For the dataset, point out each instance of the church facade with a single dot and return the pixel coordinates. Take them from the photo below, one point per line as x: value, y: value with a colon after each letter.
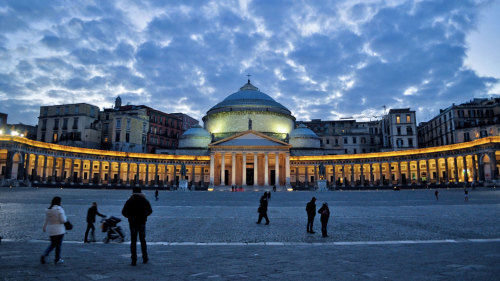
x: 248, y: 140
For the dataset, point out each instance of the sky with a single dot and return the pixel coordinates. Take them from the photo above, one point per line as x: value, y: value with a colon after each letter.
x: 320, y: 59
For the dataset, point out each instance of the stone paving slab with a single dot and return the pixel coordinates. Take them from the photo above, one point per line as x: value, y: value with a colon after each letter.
x: 417, y: 261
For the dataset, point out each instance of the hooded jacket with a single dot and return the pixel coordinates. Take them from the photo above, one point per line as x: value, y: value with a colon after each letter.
x: 54, y: 221
x: 137, y: 209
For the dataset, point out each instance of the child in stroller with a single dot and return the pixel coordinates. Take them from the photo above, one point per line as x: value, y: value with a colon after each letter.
x: 114, y: 231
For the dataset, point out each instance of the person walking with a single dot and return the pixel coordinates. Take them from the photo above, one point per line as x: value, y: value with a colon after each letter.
x: 436, y: 193
x: 156, y: 194
x: 91, y: 213
x: 274, y: 188
x: 263, y: 209
x: 137, y: 209
x: 54, y: 225
x: 325, y: 215
x: 311, y: 213
x: 466, y: 194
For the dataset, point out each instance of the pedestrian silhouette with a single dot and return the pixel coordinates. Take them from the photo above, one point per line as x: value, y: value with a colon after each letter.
x: 311, y: 213
x: 137, y: 209
x: 466, y: 194
x: 324, y: 211
x: 436, y: 193
x: 156, y: 194
x: 54, y: 225
x: 263, y: 209
x: 91, y: 213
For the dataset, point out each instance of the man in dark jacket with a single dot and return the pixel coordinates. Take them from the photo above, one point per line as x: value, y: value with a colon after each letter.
x: 311, y: 213
x: 137, y: 209
x: 263, y: 209
x: 91, y: 213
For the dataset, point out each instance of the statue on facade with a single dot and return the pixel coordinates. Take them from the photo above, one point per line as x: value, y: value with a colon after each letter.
x: 322, y: 171
x: 183, y: 170
x: 249, y: 124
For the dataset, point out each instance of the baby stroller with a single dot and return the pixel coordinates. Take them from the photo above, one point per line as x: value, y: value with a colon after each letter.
x: 114, y: 231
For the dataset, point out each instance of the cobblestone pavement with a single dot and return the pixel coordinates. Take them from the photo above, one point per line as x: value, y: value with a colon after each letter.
x: 375, y: 235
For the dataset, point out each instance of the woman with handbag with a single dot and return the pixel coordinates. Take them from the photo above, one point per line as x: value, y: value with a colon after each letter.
x: 54, y: 225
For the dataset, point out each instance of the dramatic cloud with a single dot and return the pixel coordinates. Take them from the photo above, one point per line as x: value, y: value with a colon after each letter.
x: 321, y: 59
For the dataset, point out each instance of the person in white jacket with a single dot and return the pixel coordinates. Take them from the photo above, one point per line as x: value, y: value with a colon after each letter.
x: 54, y: 225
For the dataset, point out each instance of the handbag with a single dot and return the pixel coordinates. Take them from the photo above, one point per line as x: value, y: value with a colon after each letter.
x: 68, y: 225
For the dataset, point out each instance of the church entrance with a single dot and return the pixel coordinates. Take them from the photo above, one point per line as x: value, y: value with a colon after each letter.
x: 272, y: 180
x: 250, y: 179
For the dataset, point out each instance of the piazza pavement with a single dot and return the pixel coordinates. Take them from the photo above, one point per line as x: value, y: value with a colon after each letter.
x: 373, y: 235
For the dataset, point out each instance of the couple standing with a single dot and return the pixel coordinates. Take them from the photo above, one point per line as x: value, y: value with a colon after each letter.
x: 311, y: 213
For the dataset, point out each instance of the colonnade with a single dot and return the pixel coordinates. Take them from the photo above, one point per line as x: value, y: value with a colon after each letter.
x: 468, y: 168
x: 257, y: 168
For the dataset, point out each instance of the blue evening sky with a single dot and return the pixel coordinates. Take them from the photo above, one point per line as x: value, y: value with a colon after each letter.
x: 320, y: 59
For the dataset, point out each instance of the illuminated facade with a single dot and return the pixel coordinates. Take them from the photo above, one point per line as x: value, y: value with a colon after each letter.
x: 249, y: 140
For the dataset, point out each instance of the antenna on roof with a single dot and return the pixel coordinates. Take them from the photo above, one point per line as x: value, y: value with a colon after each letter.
x: 248, y: 75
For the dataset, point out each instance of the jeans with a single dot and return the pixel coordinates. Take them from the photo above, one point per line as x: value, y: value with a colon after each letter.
x: 310, y: 222
x: 90, y: 226
x: 141, y: 230
x: 324, y: 226
x: 55, y: 242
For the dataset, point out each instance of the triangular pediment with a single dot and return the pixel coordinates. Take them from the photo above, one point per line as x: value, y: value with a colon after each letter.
x: 249, y: 138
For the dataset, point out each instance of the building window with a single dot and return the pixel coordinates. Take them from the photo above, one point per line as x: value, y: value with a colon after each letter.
x: 77, y: 109
x: 117, y: 136
x: 75, y: 123
x: 127, y: 137
x: 58, y: 110
x: 466, y: 136
x: 65, y: 123
x: 128, y: 123
x: 45, y: 111
x: 56, y: 124
x: 54, y: 138
x: 408, y: 118
x: 353, y: 139
x: 355, y: 151
x: 399, y: 130
x: 119, y: 123
x: 327, y: 141
x: 345, y: 141
x: 410, y: 142
x: 44, y: 124
x: 409, y: 130
x: 398, y: 119
x: 363, y: 140
x: 144, y: 128
x: 399, y: 142
x: 337, y: 140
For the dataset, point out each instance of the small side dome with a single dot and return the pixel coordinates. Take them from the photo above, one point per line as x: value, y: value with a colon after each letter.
x: 195, y: 137
x: 303, y: 137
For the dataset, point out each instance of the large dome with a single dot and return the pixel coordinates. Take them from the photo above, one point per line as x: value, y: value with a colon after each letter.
x: 303, y: 137
x: 249, y: 98
x: 249, y: 109
x: 195, y: 137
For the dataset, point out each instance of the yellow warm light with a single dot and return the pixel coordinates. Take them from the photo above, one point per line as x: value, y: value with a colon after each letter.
x: 1, y: 132
x: 289, y: 189
x: 58, y: 147
x: 14, y: 133
x: 444, y: 148
x: 210, y: 189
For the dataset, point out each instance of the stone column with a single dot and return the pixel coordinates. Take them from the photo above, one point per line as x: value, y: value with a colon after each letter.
x: 156, y: 174
x: 91, y: 172
x: 244, y: 168
x: 35, y: 172
x: 119, y: 173
x: 99, y: 179
x: 307, y: 176
x: 493, y: 165
x: 223, y: 169
x: 138, y: 173
x: 380, y: 181
x: 255, y: 169
x: 63, y: 168
x: 334, y: 177
x: 71, y: 179
x: 27, y: 166
x: 193, y: 168
x: 428, y: 177
x: 438, y: 177
x: 362, y: 175
x: 233, y: 168
x: 455, y: 174
x: 316, y: 175
x: 353, y: 183
x: 466, y: 174
x: 419, y: 180
x: 287, y: 169
x: 372, y: 176
x: 44, y: 172
x: 202, y: 179
x: 447, y: 170
x: 343, y: 175
x: 81, y: 171
x: 390, y: 174
x: 266, y: 169
x: 400, y: 177
x: 174, y: 175
x: 277, y: 169
x: 474, y: 171
x: 128, y: 172
x: 212, y: 171
x: 147, y: 175
x: 54, y: 169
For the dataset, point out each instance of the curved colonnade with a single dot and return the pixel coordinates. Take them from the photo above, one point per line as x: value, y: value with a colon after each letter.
x: 39, y: 162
